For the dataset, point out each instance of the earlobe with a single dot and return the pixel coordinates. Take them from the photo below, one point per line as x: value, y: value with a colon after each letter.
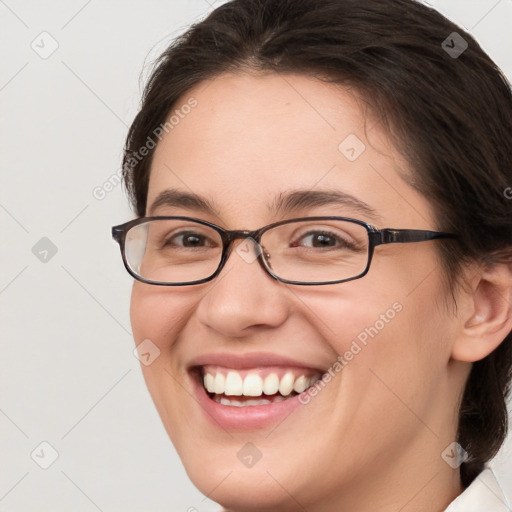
x: 487, y: 320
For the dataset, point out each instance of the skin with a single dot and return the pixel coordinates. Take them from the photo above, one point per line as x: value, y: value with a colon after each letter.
x: 372, y: 438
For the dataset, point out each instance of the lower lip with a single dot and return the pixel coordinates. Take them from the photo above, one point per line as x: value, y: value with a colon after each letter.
x: 251, y: 417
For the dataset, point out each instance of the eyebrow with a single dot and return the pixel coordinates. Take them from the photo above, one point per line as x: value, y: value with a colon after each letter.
x: 179, y: 199
x: 302, y: 199
x: 284, y: 203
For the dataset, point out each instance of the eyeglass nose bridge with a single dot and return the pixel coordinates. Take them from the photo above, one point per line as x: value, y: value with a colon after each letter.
x: 228, y: 237
x: 260, y: 254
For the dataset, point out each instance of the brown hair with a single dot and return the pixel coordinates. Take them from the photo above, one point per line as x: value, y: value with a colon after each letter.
x: 449, y: 115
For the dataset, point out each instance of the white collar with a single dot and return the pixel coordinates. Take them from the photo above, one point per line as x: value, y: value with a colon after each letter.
x: 484, y: 494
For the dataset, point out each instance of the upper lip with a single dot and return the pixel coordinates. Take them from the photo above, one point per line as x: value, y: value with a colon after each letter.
x: 249, y: 360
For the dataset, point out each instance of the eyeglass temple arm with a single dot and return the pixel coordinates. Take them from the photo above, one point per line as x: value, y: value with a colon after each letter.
x: 393, y: 236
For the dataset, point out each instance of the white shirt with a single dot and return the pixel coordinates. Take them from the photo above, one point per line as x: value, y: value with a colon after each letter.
x: 484, y: 494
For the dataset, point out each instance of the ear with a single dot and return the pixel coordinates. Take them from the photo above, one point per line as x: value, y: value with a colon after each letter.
x: 486, y: 316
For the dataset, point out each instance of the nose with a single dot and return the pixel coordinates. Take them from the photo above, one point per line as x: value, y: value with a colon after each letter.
x: 243, y: 297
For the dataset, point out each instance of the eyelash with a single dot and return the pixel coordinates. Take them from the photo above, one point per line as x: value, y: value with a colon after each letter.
x: 340, y: 240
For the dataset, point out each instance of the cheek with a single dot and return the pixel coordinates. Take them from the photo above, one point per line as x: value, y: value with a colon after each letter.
x: 393, y: 347
x: 159, y: 313
x: 390, y: 341
x: 353, y: 317
x: 396, y: 314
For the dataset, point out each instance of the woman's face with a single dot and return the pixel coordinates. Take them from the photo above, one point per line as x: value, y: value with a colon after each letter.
x: 387, y: 410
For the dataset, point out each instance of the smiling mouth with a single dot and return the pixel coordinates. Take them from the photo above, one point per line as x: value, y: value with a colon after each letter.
x: 257, y: 386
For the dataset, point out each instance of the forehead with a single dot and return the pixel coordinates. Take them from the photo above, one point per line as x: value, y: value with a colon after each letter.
x: 251, y: 137
x: 261, y: 120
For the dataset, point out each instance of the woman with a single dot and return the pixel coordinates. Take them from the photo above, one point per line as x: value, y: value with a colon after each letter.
x: 323, y: 256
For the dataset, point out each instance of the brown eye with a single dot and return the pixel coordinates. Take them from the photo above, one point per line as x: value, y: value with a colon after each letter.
x: 189, y: 239
x: 322, y: 239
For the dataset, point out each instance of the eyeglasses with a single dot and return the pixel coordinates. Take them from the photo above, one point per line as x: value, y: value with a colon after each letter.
x: 178, y: 251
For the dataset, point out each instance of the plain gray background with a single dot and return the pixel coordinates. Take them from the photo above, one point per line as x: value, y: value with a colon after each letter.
x: 68, y: 376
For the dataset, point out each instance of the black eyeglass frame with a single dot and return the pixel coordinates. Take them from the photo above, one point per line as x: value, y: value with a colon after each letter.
x: 375, y: 237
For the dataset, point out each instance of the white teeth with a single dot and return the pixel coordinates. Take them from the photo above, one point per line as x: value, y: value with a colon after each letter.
x: 286, y: 384
x: 209, y: 382
x: 253, y: 385
x: 219, y: 385
x: 242, y: 403
x: 271, y: 384
x: 234, y: 384
x: 254, y: 401
x: 300, y: 384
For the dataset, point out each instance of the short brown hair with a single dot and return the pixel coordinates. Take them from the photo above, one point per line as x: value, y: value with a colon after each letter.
x: 449, y: 115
